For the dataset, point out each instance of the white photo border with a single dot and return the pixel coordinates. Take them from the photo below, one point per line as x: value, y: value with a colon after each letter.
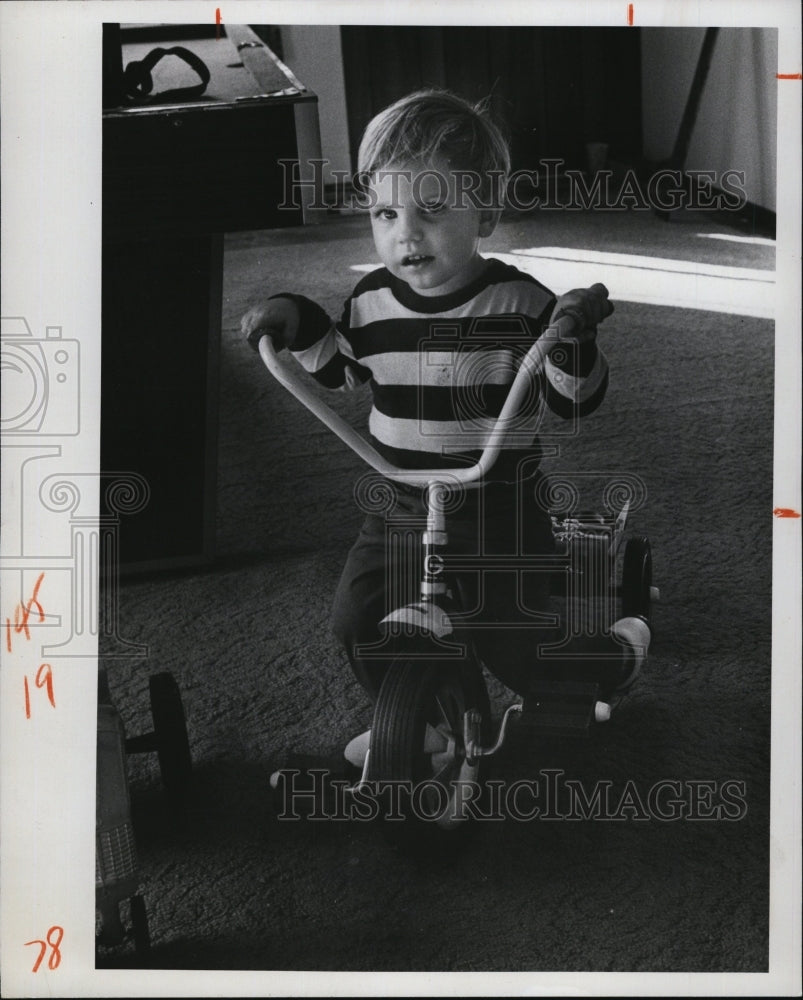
x: 50, y: 67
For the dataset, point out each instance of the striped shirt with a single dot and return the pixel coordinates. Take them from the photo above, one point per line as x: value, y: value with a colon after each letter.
x: 440, y: 367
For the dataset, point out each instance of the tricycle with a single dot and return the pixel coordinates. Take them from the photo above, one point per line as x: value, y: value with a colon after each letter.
x: 432, y: 729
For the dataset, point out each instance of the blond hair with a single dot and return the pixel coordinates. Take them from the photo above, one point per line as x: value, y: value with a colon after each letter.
x: 437, y: 123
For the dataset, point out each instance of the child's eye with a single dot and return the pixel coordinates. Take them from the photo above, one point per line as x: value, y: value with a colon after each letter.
x: 385, y: 213
x: 433, y: 208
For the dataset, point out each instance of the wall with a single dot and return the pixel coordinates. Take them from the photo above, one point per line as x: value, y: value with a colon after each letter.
x: 314, y: 54
x: 736, y: 127
x: 553, y: 88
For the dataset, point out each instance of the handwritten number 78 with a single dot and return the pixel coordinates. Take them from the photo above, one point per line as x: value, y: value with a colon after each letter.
x: 53, y: 938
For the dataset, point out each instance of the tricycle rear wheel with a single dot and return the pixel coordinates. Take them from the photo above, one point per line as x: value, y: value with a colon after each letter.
x: 637, y: 579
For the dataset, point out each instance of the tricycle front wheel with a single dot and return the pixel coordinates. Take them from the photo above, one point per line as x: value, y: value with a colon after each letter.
x: 418, y: 757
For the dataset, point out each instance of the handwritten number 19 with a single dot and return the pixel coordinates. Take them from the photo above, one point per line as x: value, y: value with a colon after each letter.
x: 44, y: 679
x: 53, y: 938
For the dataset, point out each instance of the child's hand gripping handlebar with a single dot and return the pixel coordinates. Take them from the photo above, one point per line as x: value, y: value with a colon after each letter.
x: 575, y: 313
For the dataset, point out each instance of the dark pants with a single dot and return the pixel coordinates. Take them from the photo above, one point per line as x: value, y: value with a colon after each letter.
x: 506, y: 608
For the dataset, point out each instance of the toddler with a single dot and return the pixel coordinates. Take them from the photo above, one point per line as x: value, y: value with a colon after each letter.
x: 438, y: 331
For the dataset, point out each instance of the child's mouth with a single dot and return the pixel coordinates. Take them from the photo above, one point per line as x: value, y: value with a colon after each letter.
x: 416, y: 260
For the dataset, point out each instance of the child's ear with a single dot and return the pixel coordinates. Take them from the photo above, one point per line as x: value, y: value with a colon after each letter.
x: 489, y: 217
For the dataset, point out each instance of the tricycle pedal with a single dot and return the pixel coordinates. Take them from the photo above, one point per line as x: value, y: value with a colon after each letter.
x: 565, y: 708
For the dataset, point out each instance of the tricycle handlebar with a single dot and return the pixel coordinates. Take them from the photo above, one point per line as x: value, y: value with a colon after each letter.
x: 529, y: 369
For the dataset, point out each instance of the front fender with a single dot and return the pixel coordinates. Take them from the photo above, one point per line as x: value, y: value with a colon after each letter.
x: 421, y: 616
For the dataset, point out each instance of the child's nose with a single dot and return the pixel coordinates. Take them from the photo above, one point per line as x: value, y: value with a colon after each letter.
x: 409, y: 227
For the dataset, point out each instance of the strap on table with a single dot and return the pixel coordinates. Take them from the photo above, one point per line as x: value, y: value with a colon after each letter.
x: 138, y: 82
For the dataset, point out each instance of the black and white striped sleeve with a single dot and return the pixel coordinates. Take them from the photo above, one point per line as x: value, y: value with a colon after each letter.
x: 576, y: 377
x: 322, y: 349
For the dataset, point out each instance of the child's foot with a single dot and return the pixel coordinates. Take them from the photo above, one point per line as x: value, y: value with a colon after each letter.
x: 357, y: 749
x: 633, y: 634
x: 306, y: 785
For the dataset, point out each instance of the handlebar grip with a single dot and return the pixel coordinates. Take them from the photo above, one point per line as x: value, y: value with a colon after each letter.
x: 580, y: 311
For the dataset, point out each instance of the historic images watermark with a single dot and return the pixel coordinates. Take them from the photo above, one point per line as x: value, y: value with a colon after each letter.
x: 551, y: 796
x: 549, y: 187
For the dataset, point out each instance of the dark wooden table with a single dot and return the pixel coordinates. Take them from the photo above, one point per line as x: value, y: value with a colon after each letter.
x: 177, y: 175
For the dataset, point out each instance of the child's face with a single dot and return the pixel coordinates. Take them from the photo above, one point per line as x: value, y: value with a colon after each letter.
x: 426, y: 233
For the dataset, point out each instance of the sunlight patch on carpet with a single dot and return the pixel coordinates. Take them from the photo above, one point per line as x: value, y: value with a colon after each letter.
x: 683, y: 284
x: 760, y: 241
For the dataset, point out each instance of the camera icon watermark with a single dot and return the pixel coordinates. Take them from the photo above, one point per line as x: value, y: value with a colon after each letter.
x: 74, y: 559
x: 465, y: 375
x: 41, y: 381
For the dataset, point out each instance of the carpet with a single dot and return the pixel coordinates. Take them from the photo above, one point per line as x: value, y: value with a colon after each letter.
x: 228, y: 886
